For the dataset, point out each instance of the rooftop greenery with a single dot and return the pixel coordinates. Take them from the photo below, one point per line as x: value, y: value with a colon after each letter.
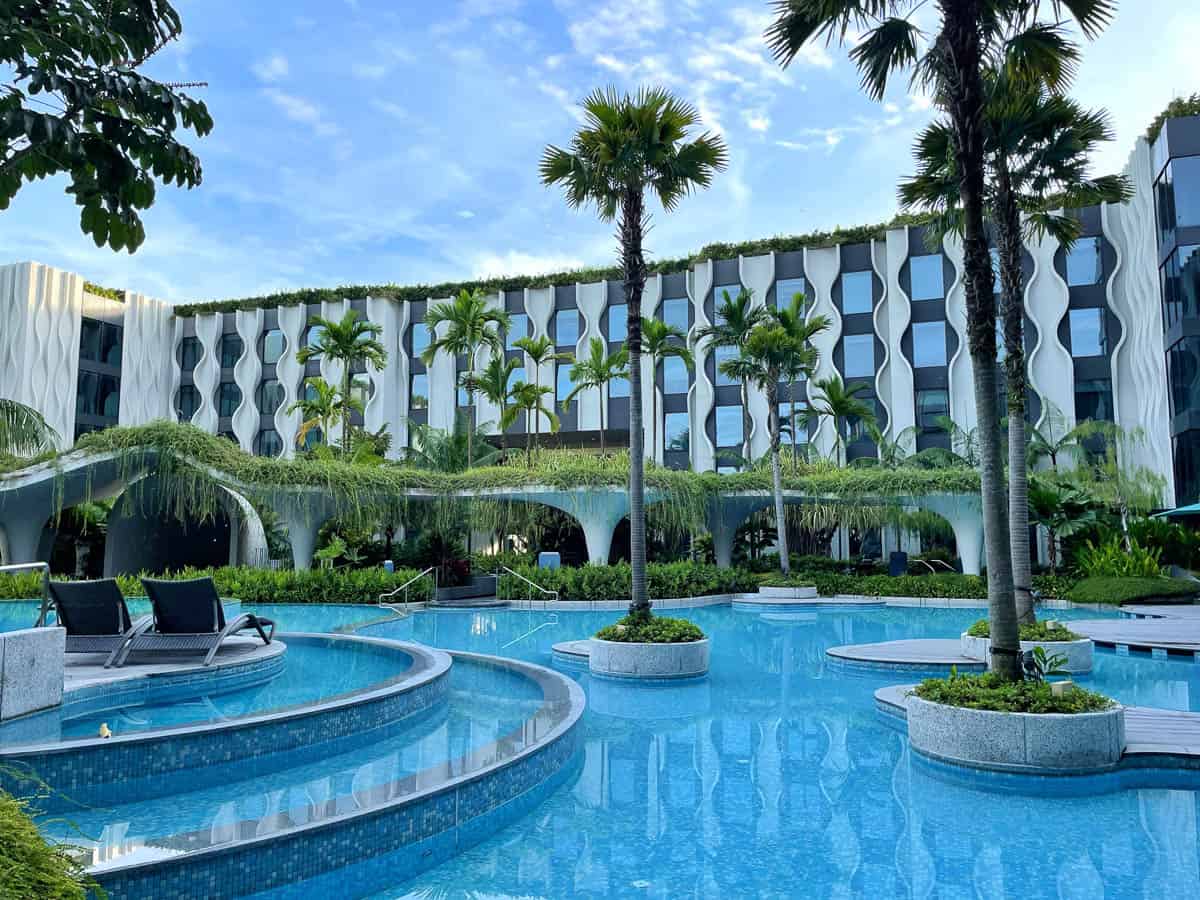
x: 1176, y: 109
x: 101, y: 291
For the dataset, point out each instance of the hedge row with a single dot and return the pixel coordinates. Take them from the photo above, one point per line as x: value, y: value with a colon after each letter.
x: 1115, y: 591
x: 664, y: 581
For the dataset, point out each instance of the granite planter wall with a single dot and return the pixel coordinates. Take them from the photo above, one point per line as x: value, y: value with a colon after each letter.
x: 1022, y: 742
x: 618, y: 659
x: 31, y: 670
x: 1078, y: 653
x: 805, y: 592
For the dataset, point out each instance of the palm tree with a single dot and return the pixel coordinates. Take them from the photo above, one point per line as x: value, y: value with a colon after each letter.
x: 350, y: 341
x: 629, y: 145
x: 596, y: 371
x: 529, y: 399
x: 470, y: 324
x: 1063, y: 509
x: 660, y: 340
x: 840, y: 403
x: 321, y: 404
x: 493, y: 384
x: 793, y: 318
x: 972, y: 35
x: 1057, y: 437
x: 449, y: 451
x: 736, y: 317
x: 1039, y: 145
x: 23, y: 430
x: 540, y: 350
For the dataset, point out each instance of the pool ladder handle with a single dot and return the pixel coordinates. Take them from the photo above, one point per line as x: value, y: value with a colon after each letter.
x: 28, y: 567
x: 547, y: 595
x: 404, y: 587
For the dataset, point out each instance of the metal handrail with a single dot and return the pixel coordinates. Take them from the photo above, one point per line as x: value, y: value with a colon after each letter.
x: 404, y: 587
x: 533, y: 584
x: 26, y: 567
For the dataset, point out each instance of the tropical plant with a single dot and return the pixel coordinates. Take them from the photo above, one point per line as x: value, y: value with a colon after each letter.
x: 735, y: 318
x: 794, y: 319
x: 530, y: 400
x: 539, y: 351
x: 321, y: 404
x: 971, y: 36
x: 1123, y: 489
x: 1046, y: 664
x: 24, y: 431
x: 493, y: 385
x: 1113, y: 559
x: 470, y: 323
x: 1055, y: 437
x: 659, y: 341
x: 627, y: 146
x: 349, y: 342
x: 841, y: 404
x: 594, y: 372
x: 73, y: 102
x: 893, y: 453
x: 450, y: 451
x: 1062, y: 509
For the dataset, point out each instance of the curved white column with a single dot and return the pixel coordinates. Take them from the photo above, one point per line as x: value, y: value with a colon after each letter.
x: 822, y: 266
x: 965, y: 515
x: 487, y: 414
x: 961, y: 377
x: 702, y: 396
x: 290, y: 374
x: 207, y: 373
x: 899, y: 406
x: 332, y: 370
x: 1051, y: 369
x: 176, y: 371
x: 758, y: 274
x: 651, y: 297
x: 591, y: 300
x: 388, y: 403
x: 147, y: 361
x: 539, y: 306
x: 443, y: 383
x: 247, y: 372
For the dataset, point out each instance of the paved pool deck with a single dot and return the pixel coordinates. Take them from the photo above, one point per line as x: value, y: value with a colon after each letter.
x: 87, y: 669
x: 914, y: 653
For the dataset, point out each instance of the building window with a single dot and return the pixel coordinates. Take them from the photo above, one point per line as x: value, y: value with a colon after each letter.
x: 675, y: 375
x: 1087, y: 332
x: 516, y: 376
x: 859, y: 356
x: 313, y: 335
x: 785, y: 419
x: 231, y: 350
x: 187, y: 401
x: 268, y: 443
x: 997, y: 281
x: 856, y: 428
x: 314, y: 437
x: 464, y: 397
x: 563, y: 385
x: 618, y: 387
x: 1186, y: 451
x: 675, y: 312
x: 618, y: 323
x: 720, y: 355
x: 361, y: 388
x: 229, y: 398
x: 110, y: 345
x: 89, y: 340
x: 1093, y: 400
x: 926, y: 275
x: 270, y: 397
x: 676, y: 432
x: 418, y: 392
x: 729, y: 426
x: 932, y: 406
x: 310, y: 392
x: 1083, y: 262
x: 518, y: 327
x: 189, y: 354
x: 1181, y: 284
x: 857, y: 290
x: 1001, y: 348
x: 566, y: 327
x: 420, y: 338
x: 1177, y: 197
x: 98, y: 395
x: 723, y: 293
x: 929, y: 344
x: 787, y: 288
x: 273, y: 344
x: 1183, y: 374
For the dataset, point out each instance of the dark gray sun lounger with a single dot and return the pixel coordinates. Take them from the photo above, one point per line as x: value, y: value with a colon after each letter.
x: 188, y: 616
x: 95, y: 617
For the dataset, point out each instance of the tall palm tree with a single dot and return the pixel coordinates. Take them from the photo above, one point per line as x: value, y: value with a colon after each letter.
x: 470, y: 324
x: 596, y: 370
x: 626, y: 147
x: 736, y: 317
x: 794, y: 319
x: 971, y: 35
x: 1039, y: 146
x: 530, y: 399
x: 659, y: 341
x: 321, y: 404
x: 23, y: 430
x: 840, y: 404
x: 349, y: 341
x: 1056, y: 437
x: 493, y: 384
x: 539, y: 350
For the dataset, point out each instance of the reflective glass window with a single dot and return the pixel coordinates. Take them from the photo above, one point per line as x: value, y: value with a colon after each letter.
x: 926, y: 274
x: 1087, y: 332
x: 676, y: 431
x: 859, y: 352
x: 675, y: 375
x: 856, y: 292
x: 729, y: 426
x: 566, y: 327
x: 1083, y: 262
x: 929, y: 344
x: 618, y: 323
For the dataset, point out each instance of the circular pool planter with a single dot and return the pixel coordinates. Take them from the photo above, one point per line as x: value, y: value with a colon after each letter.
x: 1048, y: 743
x: 1078, y: 653
x: 776, y: 594
x: 656, y: 662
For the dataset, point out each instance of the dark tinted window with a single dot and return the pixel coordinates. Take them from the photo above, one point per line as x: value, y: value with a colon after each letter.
x: 1093, y: 400
x: 229, y: 398
x: 268, y: 443
x: 187, y: 402
x: 231, y: 350
x: 189, y: 353
x: 273, y: 344
x: 270, y: 396
x: 932, y: 405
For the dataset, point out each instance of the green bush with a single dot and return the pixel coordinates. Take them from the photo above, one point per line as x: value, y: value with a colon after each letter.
x: 591, y: 583
x: 948, y: 585
x: 31, y: 867
x: 1053, y: 585
x: 264, y: 585
x: 655, y: 630
x: 792, y: 580
x: 1113, y: 560
x: 1036, y: 631
x: 1180, y: 546
x: 1116, y: 591
x: 989, y: 691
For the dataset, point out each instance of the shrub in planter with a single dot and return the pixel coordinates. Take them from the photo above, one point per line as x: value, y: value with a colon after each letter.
x: 787, y: 581
x: 990, y: 692
x: 1116, y: 591
x: 655, y: 630
x: 1034, y: 631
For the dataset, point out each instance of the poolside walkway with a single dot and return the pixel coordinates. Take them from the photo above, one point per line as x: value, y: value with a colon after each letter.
x: 1173, y: 630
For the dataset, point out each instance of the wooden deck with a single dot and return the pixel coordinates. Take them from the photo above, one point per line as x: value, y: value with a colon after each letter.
x: 1174, y: 632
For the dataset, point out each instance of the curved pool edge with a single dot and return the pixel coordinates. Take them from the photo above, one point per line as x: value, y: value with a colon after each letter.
x: 406, y: 835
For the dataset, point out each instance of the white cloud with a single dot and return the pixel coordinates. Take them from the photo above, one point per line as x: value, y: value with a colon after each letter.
x: 273, y: 68
x: 757, y: 120
x: 387, y: 107
x: 369, y: 71
x: 465, y: 214
x: 300, y: 110
x: 513, y: 262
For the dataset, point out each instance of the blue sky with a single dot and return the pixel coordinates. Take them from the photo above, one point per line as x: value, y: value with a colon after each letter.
x: 362, y: 141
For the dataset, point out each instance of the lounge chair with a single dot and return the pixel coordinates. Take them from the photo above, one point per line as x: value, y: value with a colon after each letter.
x: 95, y: 617
x: 188, y: 616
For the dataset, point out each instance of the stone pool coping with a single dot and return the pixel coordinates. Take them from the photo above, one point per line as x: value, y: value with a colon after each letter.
x: 102, y: 771
x: 428, y: 824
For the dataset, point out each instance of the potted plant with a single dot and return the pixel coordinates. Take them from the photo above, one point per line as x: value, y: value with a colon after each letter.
x: 652, y: 647
x: 1051, y: 637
